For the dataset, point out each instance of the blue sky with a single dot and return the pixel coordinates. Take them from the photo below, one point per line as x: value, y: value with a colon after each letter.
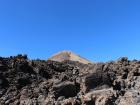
x: 100, y: 30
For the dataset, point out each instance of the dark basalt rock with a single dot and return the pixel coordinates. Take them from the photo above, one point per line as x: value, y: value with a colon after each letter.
x: 23, y: 66
x: 99, y: 78
x: 67, y: 89
x: 3, y: 82
x: 40, y: 82
x: 23, y: 81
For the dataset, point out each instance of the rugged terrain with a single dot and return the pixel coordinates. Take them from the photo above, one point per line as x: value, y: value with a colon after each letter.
x: 40, y: 82
x: 68, y: 55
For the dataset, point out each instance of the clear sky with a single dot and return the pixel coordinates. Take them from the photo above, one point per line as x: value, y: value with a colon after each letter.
x: 100, y: 30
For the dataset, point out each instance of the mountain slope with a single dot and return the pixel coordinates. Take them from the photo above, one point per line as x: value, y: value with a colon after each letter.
x: 68, y: 55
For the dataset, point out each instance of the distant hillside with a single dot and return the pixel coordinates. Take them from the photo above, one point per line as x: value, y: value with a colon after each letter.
x: 68, y: 55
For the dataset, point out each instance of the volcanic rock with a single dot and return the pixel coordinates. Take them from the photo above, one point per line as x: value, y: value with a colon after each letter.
x: 68, y: 82
x: 67, y: 89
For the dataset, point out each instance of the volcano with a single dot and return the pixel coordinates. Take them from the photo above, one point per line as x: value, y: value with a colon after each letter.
x: 68, y: 56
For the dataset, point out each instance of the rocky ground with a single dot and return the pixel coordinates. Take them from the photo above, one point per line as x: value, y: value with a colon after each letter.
x: 39, y: 82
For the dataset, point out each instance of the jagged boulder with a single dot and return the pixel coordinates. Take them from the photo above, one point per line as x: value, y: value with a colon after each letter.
x: 66, y: 89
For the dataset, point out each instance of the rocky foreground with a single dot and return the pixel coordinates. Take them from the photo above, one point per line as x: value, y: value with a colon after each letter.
x: 39, y: 82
